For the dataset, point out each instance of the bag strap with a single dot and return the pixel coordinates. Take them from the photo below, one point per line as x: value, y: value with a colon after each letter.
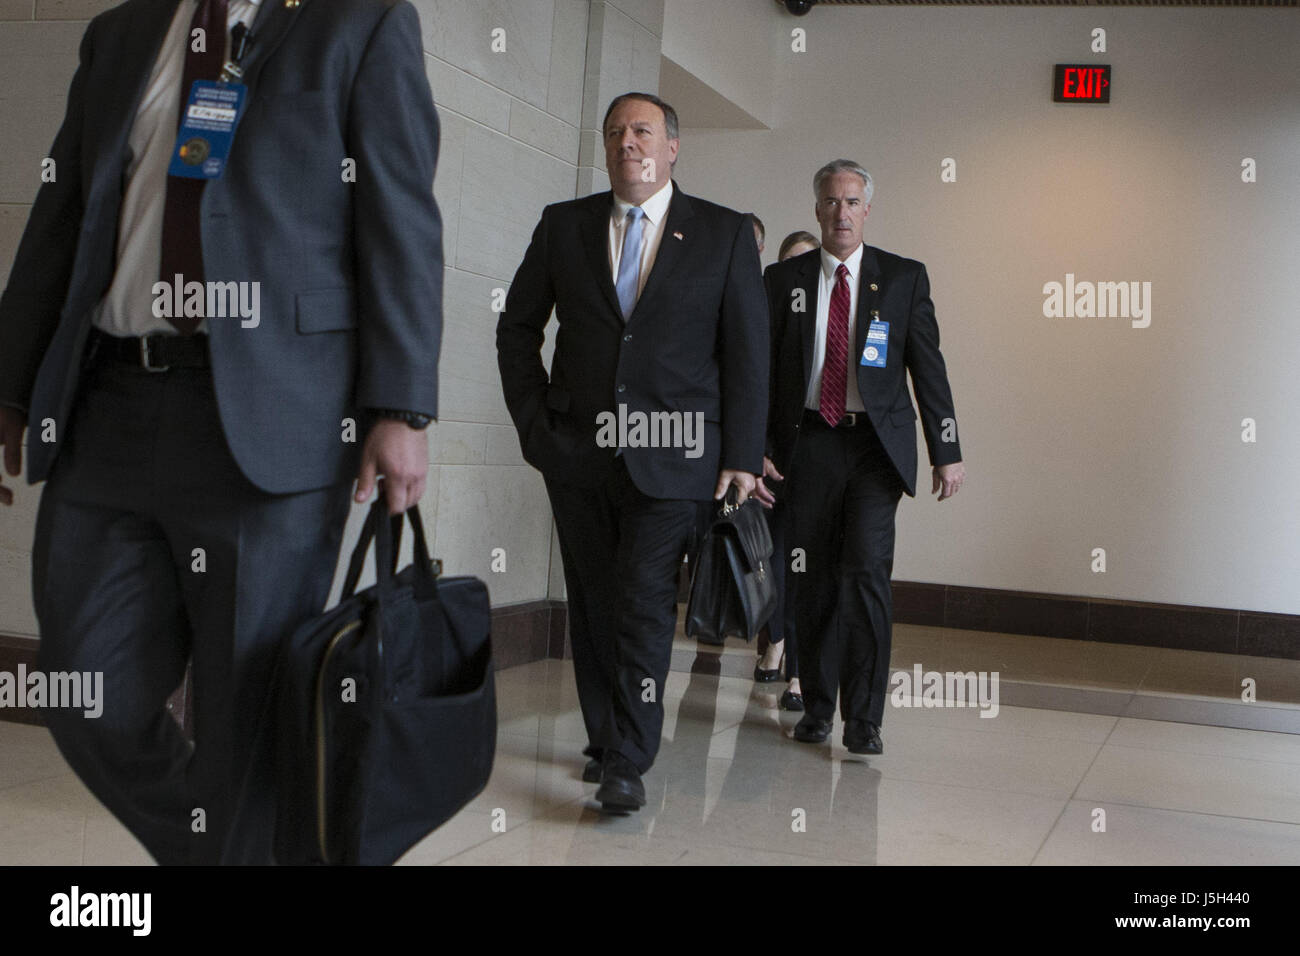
x: 371, y: 531
x: 359, y: 552
x: 387, y: 536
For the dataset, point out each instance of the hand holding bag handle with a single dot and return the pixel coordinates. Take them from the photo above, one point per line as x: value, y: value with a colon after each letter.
x: 388, y: 537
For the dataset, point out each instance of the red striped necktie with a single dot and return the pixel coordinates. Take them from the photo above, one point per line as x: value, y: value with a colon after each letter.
x: 836, y: 363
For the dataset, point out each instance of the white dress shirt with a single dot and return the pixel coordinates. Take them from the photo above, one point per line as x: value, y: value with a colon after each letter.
x: 656, y: 212
x: 826, y: 286
x: 127, y: 306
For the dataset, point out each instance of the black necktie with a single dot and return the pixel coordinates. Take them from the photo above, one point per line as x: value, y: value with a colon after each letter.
x: 182, y: 245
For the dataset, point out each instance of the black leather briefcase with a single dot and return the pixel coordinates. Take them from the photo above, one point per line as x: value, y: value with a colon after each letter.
x: 732, y: 590
x: 386, y: 708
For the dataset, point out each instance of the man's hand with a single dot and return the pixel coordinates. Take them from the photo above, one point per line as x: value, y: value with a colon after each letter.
x: 12, y: 423
x: 949, y: 477
x: 743, y: 481
x: 762, y: 493
x: 400, y: 455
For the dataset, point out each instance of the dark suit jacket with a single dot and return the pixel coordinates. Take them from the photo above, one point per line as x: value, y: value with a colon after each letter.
x: 350, y: 272
x: 902, y: 297
x: 697, y: 341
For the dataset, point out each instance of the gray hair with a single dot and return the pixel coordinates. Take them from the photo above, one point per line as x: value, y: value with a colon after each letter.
x: 843, y: 166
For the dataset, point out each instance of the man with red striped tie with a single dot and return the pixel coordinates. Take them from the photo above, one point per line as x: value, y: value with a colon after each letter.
x: 848, y: 322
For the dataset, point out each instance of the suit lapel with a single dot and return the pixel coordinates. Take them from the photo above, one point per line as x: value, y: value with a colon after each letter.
x: 269, y: 26
x: 595, y: 242
x: 670, y: 247
x: 868, y: 298
x: 809, y: 282
x: 138, y: 51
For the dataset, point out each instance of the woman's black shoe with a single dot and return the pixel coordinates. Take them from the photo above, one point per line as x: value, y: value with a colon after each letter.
x: 791, y: 701
x: 766, y: 677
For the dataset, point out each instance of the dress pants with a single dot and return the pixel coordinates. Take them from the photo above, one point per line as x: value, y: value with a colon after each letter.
x: 152, y: 548
x: 843, y: 497
x: 781, y: 626
x: 621, y: 550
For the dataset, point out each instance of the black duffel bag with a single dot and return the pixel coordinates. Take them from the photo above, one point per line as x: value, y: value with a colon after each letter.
x: 386, y: 708
x: 732, y: 590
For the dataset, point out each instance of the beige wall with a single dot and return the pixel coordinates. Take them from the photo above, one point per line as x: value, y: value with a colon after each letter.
x: 728, y: 46
x: 518, y: 132
x: 1078, y: 433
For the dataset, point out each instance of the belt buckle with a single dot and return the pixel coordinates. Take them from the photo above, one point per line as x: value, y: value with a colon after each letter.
x: 849, y: 420
x: 145, y: 362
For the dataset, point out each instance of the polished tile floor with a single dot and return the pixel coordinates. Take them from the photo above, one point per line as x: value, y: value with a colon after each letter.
x: 1047, y: 784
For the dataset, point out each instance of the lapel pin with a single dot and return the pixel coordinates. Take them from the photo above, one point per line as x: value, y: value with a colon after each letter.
x: 290, y: 4
x: 677, y: 235
x: 874, y: 287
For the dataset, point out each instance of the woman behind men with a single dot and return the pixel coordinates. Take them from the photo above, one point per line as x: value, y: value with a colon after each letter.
x: 781, y: 626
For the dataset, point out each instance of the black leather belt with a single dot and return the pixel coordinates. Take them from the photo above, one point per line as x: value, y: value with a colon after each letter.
x: 812, y: 419
x: 154, y: 353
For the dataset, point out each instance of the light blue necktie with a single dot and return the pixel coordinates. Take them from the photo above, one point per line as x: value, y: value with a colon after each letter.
x: 629, y: 263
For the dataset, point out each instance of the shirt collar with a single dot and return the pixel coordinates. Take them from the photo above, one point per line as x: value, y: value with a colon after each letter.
x: 830, y: 264
x: 655, y: 207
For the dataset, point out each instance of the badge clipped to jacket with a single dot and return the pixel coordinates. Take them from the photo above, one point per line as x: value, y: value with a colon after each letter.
x: 877, y: 347
x: 211, y: 114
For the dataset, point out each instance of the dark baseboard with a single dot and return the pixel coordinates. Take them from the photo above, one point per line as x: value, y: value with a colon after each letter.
x: 521, y: 633
x: 1174, y: 626
x: 536, y: 630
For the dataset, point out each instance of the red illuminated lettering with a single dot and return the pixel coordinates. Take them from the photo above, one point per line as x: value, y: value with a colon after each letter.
x: 1088, y: 84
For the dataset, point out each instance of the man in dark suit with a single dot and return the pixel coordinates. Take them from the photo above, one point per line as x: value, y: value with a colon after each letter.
x: 848, y: 322
x: 659, y: 301
x: 199, y: 464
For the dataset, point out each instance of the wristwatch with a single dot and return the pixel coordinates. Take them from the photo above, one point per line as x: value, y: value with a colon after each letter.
x: 414, y: 419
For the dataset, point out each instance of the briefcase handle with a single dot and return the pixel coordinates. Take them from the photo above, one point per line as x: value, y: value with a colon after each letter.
x: 387, y: 536
x: 730, y: 504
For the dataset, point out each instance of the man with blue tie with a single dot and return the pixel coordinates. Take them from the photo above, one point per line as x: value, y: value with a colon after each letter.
x: 662, y: 329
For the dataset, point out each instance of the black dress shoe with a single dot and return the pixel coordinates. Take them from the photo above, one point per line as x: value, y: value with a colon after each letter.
x: 591, y: 771
x: 791, y: 701
x: 865, y: 744
x: 620, y: 784
x: 810, y: 730
x: 766, y: 677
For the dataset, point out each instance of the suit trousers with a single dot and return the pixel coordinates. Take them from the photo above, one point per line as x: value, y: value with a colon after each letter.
x: 153, y: 549
x: 781, y: 626
x: 843, y: 498
x: 621, y: 550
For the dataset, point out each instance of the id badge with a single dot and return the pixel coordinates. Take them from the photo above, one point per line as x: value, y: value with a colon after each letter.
x: 877, y: 348
x: 207, y: 130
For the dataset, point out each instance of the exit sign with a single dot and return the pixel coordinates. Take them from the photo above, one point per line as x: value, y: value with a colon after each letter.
x: 1081, y: 83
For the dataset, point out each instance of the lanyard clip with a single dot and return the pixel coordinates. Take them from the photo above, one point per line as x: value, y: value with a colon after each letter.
x: 240, y: 40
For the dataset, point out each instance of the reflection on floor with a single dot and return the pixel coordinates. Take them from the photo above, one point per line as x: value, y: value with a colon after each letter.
x: 1032, y: 785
